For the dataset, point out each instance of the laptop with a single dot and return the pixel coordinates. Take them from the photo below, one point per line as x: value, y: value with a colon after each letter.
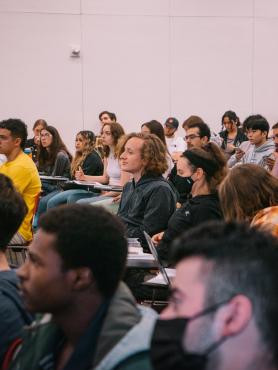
x: 155, y: 255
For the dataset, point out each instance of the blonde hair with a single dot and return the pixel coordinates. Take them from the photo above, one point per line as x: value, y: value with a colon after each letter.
x: 89, y: 146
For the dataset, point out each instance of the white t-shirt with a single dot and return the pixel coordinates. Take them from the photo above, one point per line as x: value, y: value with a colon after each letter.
x: 175, y: 144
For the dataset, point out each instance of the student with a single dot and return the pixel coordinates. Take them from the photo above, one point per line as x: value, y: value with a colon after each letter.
x: 205, y: 168
x: 260, y: 147
x: 53, y: 156
x: 12, y: 313
x: 156, y: 128
x: 21, y: 170
x: 107, y: 117
x: 86, y: 158
x: 73, y: 277
x: 197, y: 134
x: 175, y: 144
x: 111, y: 135
x: 148, y: 200
x: 222, y: 312
x: 233, y: 135
x: 247, y: 189
x: 33, y: 143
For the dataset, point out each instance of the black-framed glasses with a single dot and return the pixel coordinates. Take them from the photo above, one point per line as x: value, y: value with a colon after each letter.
x: 191, y: 137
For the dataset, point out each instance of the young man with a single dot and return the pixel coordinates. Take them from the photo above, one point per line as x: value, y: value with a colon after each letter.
x: 223, y: 309
x: 260, y: 147
x: 107, y: 117
x: 77, y: 260
x: 175, y: 144
x: 148, y: 200
x: 197, y: 133
x: 21, y: 170
x: 12, y: 314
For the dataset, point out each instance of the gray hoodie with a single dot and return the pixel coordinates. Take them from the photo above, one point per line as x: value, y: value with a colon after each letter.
x: 255, y: 155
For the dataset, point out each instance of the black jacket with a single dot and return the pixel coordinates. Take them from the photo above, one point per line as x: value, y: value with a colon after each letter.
x: 195, y: 211
x: 146, y: 206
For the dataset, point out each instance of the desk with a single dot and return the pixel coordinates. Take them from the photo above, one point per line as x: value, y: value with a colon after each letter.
x: 54, y: 178
x: 96, y: 186
x: 144, y: 261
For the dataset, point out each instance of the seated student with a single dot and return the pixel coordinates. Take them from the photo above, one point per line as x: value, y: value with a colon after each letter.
x: 74, y: 273
x: 111, y: 135
x: 233, y: 135
x: 205, y: 168
x: 12, y: 314
x: 21, y: 170
x: 107, y: 117
x: 197, y: 134
x: 148, y: 200
x: 260, y: 147
x: 222, y: 312
x: 175, y: 144
x: 156, y: 128
x: 247, y: 189
x: 34, y: 143
x: 53, y: 156
x: 88, y: 159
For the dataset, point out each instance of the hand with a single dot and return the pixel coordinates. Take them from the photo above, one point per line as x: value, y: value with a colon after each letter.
x: 117, y: 199
x: 230, y: 148
x: 270, y: 163
x: 157, y: 237
x: 79, y: 175
x: 37, y: 139
x: 239, y: 154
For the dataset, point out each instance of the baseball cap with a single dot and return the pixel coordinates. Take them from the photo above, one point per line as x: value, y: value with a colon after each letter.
x: 172, y: 122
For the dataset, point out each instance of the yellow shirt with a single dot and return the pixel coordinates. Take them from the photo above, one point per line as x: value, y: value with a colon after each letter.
x: 24, y: 174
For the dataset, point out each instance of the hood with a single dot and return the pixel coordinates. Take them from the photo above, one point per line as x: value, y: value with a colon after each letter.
x: 268, y: 145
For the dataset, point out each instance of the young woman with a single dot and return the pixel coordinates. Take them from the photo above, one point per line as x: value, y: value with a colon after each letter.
x: 34, y: 143
x: 87, y: 158
x: 156, y: 128
x: 111, y: 134
x: 247, y: 189
x: 53, y: 160
x: 204, y: 168
x: 232, y: 135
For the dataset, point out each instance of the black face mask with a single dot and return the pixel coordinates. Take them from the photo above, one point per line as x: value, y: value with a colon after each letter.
x: 166, y: 345
x: 188, y: 183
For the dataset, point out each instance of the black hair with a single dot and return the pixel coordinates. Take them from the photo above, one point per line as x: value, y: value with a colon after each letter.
x: 232, y: 117
x: 111, y: 115
x: 241, y: 260
x: 257, y: 122
x: 204, y: 129
x: 18, y: 129
x: 12, y: 211
x: 90, y: 237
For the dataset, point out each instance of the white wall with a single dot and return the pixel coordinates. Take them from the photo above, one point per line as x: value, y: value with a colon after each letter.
x: 142, y: 59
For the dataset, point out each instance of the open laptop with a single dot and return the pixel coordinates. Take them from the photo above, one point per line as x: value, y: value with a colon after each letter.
x: 155, y: 255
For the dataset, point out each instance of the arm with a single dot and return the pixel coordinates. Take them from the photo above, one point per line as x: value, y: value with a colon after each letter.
x: 103, y: 179
x: 274, y: 171
x: 62, y: 165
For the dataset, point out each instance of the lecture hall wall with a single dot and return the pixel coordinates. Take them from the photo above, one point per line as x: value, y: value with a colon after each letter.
x: 143, y: 59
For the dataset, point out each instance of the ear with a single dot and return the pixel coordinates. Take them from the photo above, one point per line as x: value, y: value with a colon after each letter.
x: 234, y: 316
x: 199, y: 173
x: 81, y: 278
x: 17, y: 141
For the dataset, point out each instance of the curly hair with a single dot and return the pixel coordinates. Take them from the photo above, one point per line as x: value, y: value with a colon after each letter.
x: 247, y: 189
x: 153, y: 153
x: 211, y: 159
x: 89, y: 146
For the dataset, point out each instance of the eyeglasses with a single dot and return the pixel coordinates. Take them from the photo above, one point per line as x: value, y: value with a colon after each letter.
x: 191, y: 137
x: 46, y: 135
x: 275, y: 136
